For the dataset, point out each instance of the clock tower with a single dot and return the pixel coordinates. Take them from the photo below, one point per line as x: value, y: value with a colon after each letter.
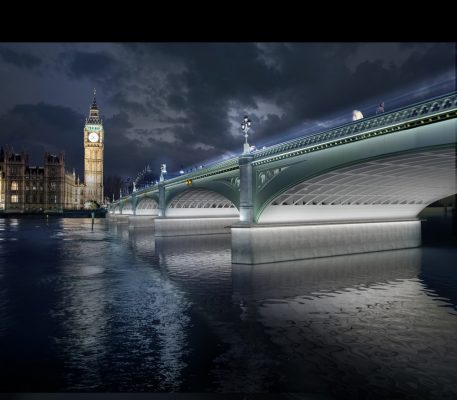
x: 94, y: 137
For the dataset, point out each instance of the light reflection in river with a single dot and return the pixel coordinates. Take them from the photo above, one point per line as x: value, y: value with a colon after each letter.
x: 361, y: 320
x: 115, y: 309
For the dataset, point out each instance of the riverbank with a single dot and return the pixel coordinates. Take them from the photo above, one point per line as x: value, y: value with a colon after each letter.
x: 99, y: 213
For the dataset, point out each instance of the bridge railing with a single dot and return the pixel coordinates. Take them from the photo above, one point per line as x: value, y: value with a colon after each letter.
x: 226, y: 164
x: 213, y: 168
x: 421, y: 109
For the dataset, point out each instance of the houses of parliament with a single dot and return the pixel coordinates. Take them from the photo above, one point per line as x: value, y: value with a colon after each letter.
x: 51, y: 188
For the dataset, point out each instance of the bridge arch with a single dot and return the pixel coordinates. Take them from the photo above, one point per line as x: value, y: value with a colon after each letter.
x: 199, y: 202
x: 147, y: 206
x: 392, y: 186
x: 127, y: 208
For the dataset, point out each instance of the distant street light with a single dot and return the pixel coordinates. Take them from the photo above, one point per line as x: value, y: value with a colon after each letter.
x: 245, y: 126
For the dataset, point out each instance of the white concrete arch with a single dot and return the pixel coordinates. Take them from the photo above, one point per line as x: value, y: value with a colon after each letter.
x: 127, y: 209
x: 147, y: 206
x: 201, y: 203
x: 393, y: 187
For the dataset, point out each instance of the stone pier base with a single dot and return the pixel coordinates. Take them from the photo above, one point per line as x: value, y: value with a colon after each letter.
x: 141, y: 221
x: 120, y: 219
x: 258, y: 244
x: 192, y: 226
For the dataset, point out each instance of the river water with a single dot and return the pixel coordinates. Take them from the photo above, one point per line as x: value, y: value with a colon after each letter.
x: 110, y: 309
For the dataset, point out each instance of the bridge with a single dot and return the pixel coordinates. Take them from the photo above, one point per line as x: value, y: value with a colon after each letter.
x: 355, y: 188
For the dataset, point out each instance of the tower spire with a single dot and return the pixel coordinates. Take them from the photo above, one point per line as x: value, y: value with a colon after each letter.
x: 94, y: 102
x: 94, y: 115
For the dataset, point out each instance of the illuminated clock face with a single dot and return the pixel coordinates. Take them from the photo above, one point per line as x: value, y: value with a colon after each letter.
x: 93, y: 137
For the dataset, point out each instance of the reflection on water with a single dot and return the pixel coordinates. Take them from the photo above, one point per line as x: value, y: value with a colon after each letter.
x: 105, y: 321
x: 145, y: 317
x: 114, y: 309
x: 357, y: 320
x: 233, y: 358
x: 329, y: 274
x: 4, y: 319
x: 82, y: 308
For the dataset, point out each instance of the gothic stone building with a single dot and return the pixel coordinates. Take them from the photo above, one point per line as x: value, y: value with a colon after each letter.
x: 50, y: 188
x: 31, y: 189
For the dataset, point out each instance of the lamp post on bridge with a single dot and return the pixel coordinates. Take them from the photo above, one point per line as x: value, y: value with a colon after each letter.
x: 245, y: 126
x: 163, y: 170
x: 246, y: 177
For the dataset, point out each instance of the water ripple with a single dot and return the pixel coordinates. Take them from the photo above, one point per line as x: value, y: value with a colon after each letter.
x: 114, y: 309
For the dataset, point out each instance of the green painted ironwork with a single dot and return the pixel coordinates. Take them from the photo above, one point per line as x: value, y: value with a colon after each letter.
x: 218, y: 176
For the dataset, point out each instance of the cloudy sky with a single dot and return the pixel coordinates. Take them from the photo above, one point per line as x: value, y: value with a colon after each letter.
x: 182, y: 103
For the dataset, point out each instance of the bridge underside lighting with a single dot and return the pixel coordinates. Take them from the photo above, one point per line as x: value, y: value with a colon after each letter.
x: 200, y: 203
x: 399, y: 186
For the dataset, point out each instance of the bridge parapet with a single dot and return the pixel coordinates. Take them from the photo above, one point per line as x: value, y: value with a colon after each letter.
x: 212, y: 169
x: 423, y: 112
x: 427, y: 112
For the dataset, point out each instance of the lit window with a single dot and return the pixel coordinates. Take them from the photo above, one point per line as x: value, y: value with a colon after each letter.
x: 14, y: 185
x: 14, y: 198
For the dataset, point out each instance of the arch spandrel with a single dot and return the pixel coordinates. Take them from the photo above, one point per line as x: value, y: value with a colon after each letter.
x: 394, y: 186
x: 147, y: 206
x: 198, y: 202
x: 224, y: 188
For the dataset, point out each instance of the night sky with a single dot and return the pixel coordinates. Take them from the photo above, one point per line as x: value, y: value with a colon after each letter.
x: 182, y: 103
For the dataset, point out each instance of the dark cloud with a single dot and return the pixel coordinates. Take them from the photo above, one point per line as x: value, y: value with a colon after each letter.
x: 43, y: 127
x: 81, y: 64
x: 124, y: 104
x: 438, y: 58
x: 126, y: 147
x: 19, y: 59
x: 104, y: 71
x: 181, y: 103
x: 176, y: 101
x: 121, y: 153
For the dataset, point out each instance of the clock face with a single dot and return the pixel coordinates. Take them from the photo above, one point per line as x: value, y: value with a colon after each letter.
x: 93, y: 137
